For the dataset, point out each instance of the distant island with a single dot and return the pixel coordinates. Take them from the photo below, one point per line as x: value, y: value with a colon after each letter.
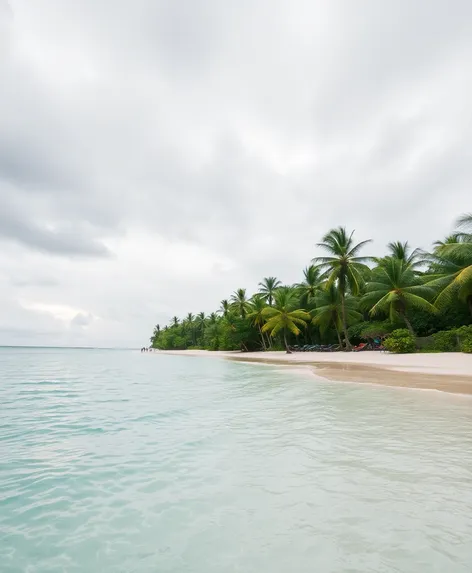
x: 406, y: 301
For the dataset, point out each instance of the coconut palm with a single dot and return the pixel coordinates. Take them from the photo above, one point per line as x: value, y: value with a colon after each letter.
x: 212, y: 318
x: 239, y: 302
x: 402, y: 251
x: 394, y: 288
x: 465, y: 222
x: 200, y: 323
x: 310, y: 284
x: 268, y: 287
x: 188, y: 323
x: 155, y: 333
x: 448, y: 240
x: 328, y: 311
x: 451, y: 272
x: 175, y: 321
x: 189, y: 318
x: 284, y: 316
x: 255, y: 314
x: 224, y: 307
x: 343, y: 267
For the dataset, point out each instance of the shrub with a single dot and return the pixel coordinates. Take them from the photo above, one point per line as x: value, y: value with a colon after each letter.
x: 377, y: 330
x: 400, y: 341
x: 368, y: 330
x: 466, y: 344
x: 464, y: 331
x: 445, y: 341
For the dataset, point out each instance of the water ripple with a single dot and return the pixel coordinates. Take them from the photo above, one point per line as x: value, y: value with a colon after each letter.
x: 112, y: 461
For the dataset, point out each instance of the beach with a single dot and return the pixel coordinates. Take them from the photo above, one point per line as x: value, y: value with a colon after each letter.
x: 447, y: 372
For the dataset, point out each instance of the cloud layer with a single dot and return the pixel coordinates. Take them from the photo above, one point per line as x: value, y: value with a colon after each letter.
x: 154, y: 156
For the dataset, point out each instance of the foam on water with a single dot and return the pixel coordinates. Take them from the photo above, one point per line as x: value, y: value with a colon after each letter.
x: 113, y: 461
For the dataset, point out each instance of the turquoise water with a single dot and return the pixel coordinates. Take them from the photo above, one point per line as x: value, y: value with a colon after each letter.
x: 113, y: 461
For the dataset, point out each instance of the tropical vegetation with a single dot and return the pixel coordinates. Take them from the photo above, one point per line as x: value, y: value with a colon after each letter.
x: 409, y: 297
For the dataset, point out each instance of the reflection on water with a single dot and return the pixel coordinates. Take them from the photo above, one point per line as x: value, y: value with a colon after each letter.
x: 114, y: 461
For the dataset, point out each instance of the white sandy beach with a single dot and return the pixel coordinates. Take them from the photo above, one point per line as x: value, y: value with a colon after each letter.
x: 448, y: 372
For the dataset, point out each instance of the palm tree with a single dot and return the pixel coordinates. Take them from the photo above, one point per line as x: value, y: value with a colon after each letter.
x: 224, y: 307
x: 155, y: 334
x: 212, y: 318
x: 257, y: 305
x: 189, y: 319
x: 239, y: 302
x: 394, y: 288
x: 175, y: 321
x: 328, y: 311
x: 284, y: 316
x: 200, y: 321
x: 189, y: 322
x: 402, y: 251
x: 268, y: 287
x: 310, y: 285
x: 465, y: 221
x: 344, y: 267
x: 451, y: 272
x: 448, y: 240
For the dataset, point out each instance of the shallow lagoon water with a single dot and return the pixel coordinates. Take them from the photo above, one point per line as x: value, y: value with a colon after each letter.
x: 116, y: 461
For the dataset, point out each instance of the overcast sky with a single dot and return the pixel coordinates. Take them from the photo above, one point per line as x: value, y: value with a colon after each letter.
x: 157, y: 155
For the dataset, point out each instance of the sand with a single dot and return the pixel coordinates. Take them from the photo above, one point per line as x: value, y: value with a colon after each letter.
x: 447, y: 372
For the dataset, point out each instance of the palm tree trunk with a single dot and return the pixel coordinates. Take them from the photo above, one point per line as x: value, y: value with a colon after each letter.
x: 287, y: 349
x: 343, y: 308
x: 408, y: 324
x: 339, y: 338
x: 262, y: 338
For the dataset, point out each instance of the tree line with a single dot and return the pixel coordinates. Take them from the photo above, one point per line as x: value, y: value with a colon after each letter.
x: 344, y: 296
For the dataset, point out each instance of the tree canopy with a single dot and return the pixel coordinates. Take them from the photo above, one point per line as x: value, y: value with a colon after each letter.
x: 343, y: 293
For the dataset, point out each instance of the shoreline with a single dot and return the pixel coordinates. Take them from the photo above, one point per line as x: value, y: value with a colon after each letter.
x: 449, y: 372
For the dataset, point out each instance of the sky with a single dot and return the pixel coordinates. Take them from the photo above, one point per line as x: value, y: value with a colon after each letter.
x: 157, y: 155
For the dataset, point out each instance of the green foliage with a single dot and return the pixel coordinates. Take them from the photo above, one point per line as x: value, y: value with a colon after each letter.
x: 466, y: 344
x: 343, y: 268
x: 310, y: 286
x: 464, y: 336
x: 402, y: 252
x: 239, y: 302
x: 340, y: 298
x: 450, y: 269
x: 284, y: 317
x: 328, y: 312
x: 400, y: 341
x: 445, y: 341
x: 268, y: 288
x: 464, y: 331
x: 377, y: 329
x: 394, y: 289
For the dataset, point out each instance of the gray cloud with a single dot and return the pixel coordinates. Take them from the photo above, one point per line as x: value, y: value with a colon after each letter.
x: 81, y: 319
x: 206, y: 144
x: 68, y: 240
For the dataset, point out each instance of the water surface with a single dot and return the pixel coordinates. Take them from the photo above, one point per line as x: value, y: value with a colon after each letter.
x: 113, y: 461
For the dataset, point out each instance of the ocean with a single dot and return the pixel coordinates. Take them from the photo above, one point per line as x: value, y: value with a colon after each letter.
x: 115, y: 461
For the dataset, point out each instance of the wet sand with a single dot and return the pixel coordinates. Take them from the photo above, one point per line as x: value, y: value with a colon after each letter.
x: 446, y: 372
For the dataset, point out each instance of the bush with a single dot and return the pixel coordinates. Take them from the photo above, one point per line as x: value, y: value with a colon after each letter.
x: 464, y: 331
x: 400, y: 341
x: 369, y: 330
x: 466, y: 344
x: 445, y: 341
